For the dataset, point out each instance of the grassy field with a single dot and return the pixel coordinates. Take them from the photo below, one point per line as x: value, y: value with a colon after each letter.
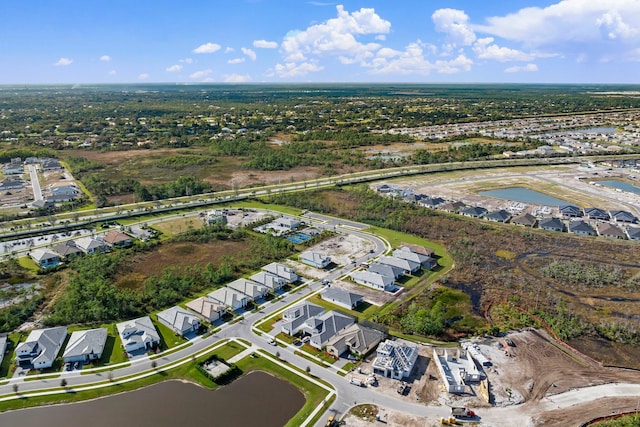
x: 168, y: 338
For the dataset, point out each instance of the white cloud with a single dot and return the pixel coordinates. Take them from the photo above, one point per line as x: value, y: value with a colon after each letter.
x: 336, y: 37
x: 237, y: 78
x: 186, y: 60
x: 380, y: 37
x: 174, y: 68
x: 207, y: 48
x: 229, y: 49
x: 200, y: 74
x: 265, y: 44
x: 522, y: 68
x: 143, y: 76
x: 62, y: 62
x: 454, y: 23
x: 251, y: 54
x: 235, y: 61
x: 113, y: 72
x: 485, y: 49
x: 413, y: 61
x: 105, y: 58
x: 291, y: 69
x: 568, y: 21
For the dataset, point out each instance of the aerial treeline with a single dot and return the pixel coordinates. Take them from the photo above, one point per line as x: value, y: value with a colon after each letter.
x: 465, y: 152
x: 23, y: 153
x: 14, y: 315
x: 351, y: 138
x: 93, y: 296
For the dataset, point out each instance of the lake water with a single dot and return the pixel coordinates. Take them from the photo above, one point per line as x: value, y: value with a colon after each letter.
x: 257, y: 399
x: 524, y: 195
x: 622, y: 185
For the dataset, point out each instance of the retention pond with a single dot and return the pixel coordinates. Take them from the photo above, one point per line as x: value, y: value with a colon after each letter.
x: 257, y: 399
x: 524, y: 195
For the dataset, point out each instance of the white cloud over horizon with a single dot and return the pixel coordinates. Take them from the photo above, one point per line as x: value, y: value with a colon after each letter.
x: 265, y: 44
x: 174, y: 68
x: 200, y: 74
x: 529, y: 68
x: 105, y: 58
x: 237, y: 78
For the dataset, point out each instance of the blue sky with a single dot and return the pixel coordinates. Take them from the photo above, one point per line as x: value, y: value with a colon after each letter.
x: 118, y: 41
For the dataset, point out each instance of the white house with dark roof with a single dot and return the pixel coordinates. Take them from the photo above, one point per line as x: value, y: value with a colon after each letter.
x: 253, y: 291
x: 343, y: 298
x: 179, y: 320
x: 287, y: 223
x: 500, y: 215
x: 269, y: 280
x: 395, y: 359
x: 623, y: 216
x: 85, y: 346
x: 44, y: 257
x: 633, y: 233
x: 283, y: 271
x: 89, y: 245
x: 323, y: 327
x: 525, y: 219
x: 582, y: 228
x: 356, y: 339
x: 596, y: 213
x: 406, y: 265
x: 551, y: 224
x: 41, y: 347
x: 372, y: 280
x: 230, y: 298
x: 138, y: 334
x: 294, y: 318
x: 66, y: 249
x: 315, y: 259
x: 207, y: 308
x: 570, y: 211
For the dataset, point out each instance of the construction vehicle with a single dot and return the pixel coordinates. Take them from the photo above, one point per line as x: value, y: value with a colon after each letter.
x: 331, y: 421
x: 462, y: 412
x: 509, y: 342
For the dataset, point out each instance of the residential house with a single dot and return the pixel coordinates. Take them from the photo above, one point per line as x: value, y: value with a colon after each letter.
x: 11, y: 183
x: 524, y: 219
x: 41, y: 347
x: 253, y: 291
x: 49, y: 164
x: 230, y: 298
x: 117, y: 239
x: 13, y: 168
x: 551, y: 224
x: 582, y: 228
x: 283, y: 271
x: 138, y: 334
x: 323, y: 327
x: 386, y: 270
x: 474, y: 212
x: 430, y: 202
x: 408, y: 254
x: 406, y: 265
x: 207, y: 308
x: 611, y: 231
x: 624, y: 216
x: 44, y: 257
x: 386, y: 189
x: 498, y: 216
x: 89, y: 245
x: 418, y: 249
x: 570, y: 211
x: 180, y: 320
x: 356, y: 339
x: 595, y: 213
x: 452, y: 206
x: 293, y: 318
x: 633, y: 233
x: 343, y: 298
x: 140, y: 233
x: 85, y: 346
x: 271, y: 281
x: 66, y: 249
x: 395, y: 359
x: 373, y: 280
x: 315, y: 259
x: 3, y: 346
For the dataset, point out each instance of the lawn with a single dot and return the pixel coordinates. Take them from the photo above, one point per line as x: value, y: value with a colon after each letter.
x: 229, y: 350
x: 7, y: 361
x: 364, y: 311
x: 28, y: 264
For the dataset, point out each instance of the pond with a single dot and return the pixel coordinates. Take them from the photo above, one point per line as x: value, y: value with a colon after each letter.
x: 524, y: 195
x: 621, y: 185
x: 257, y: 399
